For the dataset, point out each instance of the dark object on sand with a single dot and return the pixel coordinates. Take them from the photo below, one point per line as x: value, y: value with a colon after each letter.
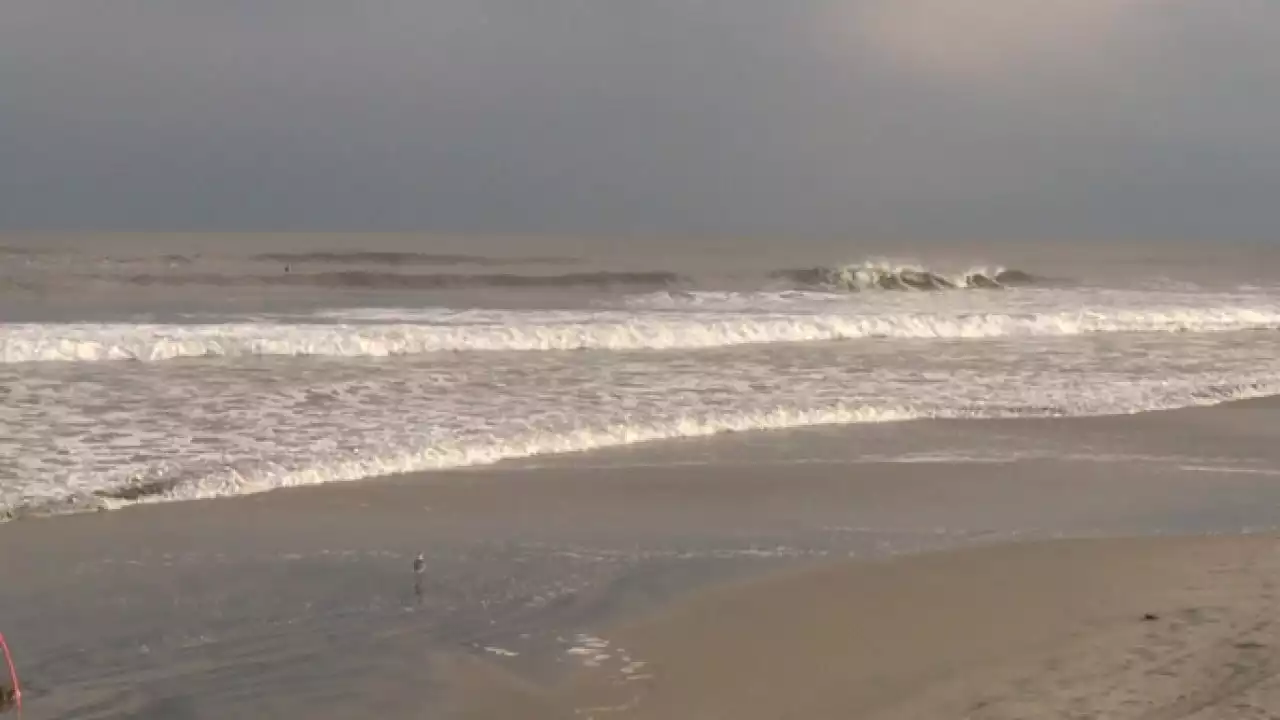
x: 1149, y: 617
x: 8, y: 698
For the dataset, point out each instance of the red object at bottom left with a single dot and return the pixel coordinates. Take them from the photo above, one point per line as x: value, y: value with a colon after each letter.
x: 10, y: 697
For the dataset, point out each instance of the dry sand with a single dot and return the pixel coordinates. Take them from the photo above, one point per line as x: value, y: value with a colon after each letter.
x: 722, y: 565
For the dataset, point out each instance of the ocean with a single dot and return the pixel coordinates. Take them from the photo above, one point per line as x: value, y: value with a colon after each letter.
x: 150, y: 368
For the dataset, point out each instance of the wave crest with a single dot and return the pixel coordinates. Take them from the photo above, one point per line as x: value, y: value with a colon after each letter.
x: 551, y: 331
x: 876, y: 275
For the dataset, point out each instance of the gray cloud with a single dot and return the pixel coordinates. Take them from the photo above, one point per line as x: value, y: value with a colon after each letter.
x: 884, y: 117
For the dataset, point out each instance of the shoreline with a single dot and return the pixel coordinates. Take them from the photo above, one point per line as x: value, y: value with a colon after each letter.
x: 1237, y: 415
x: 301, y: 602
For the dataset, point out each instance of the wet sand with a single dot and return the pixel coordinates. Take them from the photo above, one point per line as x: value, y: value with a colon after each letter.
x: 752, y: 573
x: 1166, y: 628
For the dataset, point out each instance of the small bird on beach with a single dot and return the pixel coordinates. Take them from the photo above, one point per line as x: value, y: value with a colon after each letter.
x: 419, y: 570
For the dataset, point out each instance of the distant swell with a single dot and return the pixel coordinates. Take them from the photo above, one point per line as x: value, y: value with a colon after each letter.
x: 426, y: 281
x: 405, y: 271
x: 369, y: 257
x: 886, y: 276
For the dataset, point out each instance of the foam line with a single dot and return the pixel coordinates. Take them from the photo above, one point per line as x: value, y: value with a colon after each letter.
x: 577, y: 330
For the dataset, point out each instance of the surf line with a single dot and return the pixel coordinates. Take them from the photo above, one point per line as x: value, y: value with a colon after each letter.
x: 16, y: 698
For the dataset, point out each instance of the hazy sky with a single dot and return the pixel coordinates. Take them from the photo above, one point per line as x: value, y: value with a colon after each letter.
x: 1069, y: 118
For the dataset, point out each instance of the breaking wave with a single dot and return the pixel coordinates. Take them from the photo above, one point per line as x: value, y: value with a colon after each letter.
x: 268, y: 476
x: 171, y: 483
x: 572, y: 330
x: 874, y: 275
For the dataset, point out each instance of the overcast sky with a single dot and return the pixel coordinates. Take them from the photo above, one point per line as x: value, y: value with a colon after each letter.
x: 1068, y: 118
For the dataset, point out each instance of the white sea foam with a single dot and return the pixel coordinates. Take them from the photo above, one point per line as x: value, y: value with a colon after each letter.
x: 193, y: 430
x: 73, y: 428
x: 357, y: 466
x: 889, y: 274
x: 606, y: 330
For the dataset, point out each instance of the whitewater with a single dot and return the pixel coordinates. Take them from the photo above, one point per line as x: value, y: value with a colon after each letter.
x: 132, y: 389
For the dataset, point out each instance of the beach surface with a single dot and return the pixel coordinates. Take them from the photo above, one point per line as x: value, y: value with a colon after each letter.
x: 1140, y: 628
x: 758, y: 575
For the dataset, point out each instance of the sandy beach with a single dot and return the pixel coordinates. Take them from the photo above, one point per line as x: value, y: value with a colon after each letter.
x: 567, y: 360
x: 671, y: 581
x: 1109, y: 629
x: 683, y: 360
